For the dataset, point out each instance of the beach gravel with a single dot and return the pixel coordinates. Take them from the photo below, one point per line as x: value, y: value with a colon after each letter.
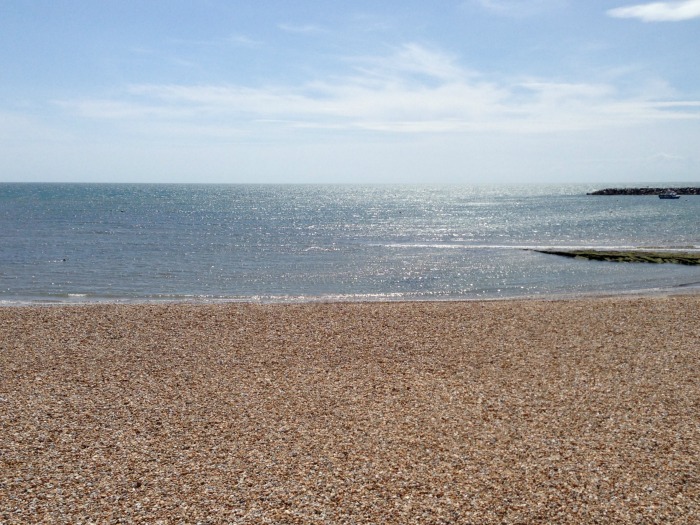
x: 523, y: 411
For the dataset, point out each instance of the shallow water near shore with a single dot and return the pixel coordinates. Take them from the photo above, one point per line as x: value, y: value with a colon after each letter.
x: 70, y: 243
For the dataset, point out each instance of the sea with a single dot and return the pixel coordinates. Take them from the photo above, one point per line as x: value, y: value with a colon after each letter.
x: 84, y: 243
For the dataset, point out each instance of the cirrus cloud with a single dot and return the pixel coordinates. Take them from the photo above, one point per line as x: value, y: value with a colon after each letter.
x: 412, y: 90
x: 660, y: 11
x: 520, y: 8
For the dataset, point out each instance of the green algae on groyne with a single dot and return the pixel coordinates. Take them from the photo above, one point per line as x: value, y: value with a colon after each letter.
x: 646, y: 191
x: 638, y: 256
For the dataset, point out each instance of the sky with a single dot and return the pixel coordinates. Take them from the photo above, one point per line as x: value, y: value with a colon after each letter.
x: 359, y: 91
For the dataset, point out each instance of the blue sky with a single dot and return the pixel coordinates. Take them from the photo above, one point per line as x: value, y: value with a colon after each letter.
x: 463, y: 91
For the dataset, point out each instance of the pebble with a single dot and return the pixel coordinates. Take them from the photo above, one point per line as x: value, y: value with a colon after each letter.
x: 523, y: 411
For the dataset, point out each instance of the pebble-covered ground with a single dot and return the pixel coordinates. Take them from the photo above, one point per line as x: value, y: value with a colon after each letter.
x: 572, y: 411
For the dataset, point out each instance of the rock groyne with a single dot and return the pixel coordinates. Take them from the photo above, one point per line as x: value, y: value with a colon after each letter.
x: 645, y: 191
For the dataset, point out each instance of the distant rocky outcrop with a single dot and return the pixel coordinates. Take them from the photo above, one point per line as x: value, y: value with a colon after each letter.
x: 645, y: 191
x: 640, y: 256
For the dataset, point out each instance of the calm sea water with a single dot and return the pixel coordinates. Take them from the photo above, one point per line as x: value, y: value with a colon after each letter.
x: 83, y: 242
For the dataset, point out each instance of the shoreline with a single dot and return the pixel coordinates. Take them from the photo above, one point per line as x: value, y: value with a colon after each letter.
x: 84, y: 300
x: 575, y: 411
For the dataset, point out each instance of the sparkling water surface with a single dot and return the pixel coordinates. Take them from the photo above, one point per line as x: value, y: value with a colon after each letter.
x: 96, y: 242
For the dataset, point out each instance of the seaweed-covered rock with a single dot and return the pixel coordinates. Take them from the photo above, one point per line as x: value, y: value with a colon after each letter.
x: 687, y: 258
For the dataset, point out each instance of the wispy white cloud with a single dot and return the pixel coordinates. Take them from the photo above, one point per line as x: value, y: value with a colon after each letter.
x: 307, y: 29
x: 519, y: 8
x: 660, y: 11
x: 411, y: 59
x: 243, y: 41
x: 413, y: 90
x: 664, y: 158
x: 236, y: 39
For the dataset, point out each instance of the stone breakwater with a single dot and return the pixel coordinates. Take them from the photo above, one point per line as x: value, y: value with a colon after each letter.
x: 645, y: 191
x: 568, y: 412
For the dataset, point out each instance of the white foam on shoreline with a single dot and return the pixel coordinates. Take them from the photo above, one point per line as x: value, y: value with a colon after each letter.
x: 682, y: 289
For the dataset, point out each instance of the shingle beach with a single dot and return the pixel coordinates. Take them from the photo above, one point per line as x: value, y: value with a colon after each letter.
x: 520, y: 411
